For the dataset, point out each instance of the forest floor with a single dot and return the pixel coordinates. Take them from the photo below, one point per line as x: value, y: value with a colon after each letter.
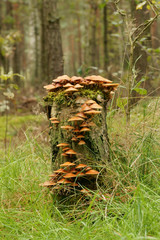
x: 131, y: 212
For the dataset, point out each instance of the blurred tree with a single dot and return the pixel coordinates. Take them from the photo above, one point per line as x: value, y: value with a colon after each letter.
x: 51, y: 56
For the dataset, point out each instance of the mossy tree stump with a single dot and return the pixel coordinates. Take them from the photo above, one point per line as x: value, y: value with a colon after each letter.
x: 62, y: 103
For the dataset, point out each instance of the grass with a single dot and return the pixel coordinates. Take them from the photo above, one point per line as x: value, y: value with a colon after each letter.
x: 30, y: 212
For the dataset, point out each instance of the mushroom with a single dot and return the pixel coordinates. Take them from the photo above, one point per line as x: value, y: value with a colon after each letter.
x: 92, y: 172
x: 80, y: 136
x: 67, y: 164
x: 85, y: 108
x: 76, y: 118
x: 60, y: 171
x: 81, y: 114
x: 85, y: 129
x: 89, y: 102
x: 68, y: 127
x: 81, y: 142
x: 80, y: 174
x: 71, y: 152
x: 75, y: 79
x: 71, y: 89
x: 64, y: 181
x: 55, y: 122
x: 65, y: 149
x: 74, y: 139
x: 67, y: 85
x: 69, y: 175
x: 48, y: 184
x: 78, y: 86
x: 81, y: 166
x: 53, y: 118
x: 95, y: 106
x: 63, y: 145
x: 93, y: 112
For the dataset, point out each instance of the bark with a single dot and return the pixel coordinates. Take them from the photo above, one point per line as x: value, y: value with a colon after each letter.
x: 93, y: 40
x: 79, y: 40
x: 154, y: 33
x: 97, y: 142
x: 139, y: 54
x: 105, y: 39
x: 52, y: 56
x: 17, y: 46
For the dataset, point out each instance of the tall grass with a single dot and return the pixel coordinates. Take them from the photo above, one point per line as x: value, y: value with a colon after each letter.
x: 131, y: 211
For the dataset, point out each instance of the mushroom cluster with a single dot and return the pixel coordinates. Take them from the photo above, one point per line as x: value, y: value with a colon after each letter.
x: 71, y: 177
x: 74, y: 84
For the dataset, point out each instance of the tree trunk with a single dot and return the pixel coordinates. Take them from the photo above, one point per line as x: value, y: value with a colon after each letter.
x: 97, y: 142
x: 139, y: 54
x: 105, y: 39
x: 52, y: 56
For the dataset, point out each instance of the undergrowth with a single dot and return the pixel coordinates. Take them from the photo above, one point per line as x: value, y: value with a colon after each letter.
x: 130, y: 212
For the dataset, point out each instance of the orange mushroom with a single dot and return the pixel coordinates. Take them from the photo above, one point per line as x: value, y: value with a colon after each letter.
x: 63, y: 145
x: 67, y: 164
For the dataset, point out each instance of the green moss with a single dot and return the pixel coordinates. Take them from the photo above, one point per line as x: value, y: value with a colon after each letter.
x: 61, y: 99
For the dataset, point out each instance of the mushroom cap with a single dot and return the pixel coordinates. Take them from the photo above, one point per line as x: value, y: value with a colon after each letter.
x: 67, y: 85
x: 64, y: 77
x: 76, y: 130
x: 48, y: 184
x: 81, y: 142
x: 95, y: 106
x: 93, y: 112
x: 92, y: 172
x: 71, y: 89
x: 84, y: 124
x: 80, y: 166
x: 55, y: 121
x: 67, y: 127
x: 89, y: 102
x: 85, y: 129
x: 76, y: 79
x: 85, y: 108
x: 81, y: 114
x: 62, y: 145
x: 53, y: 118
x: 65, y: 149
x: 50, y: 87
x: 88, y: 168
x: 67, y: 164
x: 73, y: 170
x: 64, y: 181
x: 69, y: 175
x: 74, y: 139
x: 71, y: 152
x: 75, y: 118
x: 60, y: 171
x: 80, y: 174
x: 111, y: 85
x: 77, y: 86
x: 98, y: 78
x: 58, y: 85
x: 80, y: 136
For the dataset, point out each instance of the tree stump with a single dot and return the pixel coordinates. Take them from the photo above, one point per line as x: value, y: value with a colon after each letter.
x: 88, y: 136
